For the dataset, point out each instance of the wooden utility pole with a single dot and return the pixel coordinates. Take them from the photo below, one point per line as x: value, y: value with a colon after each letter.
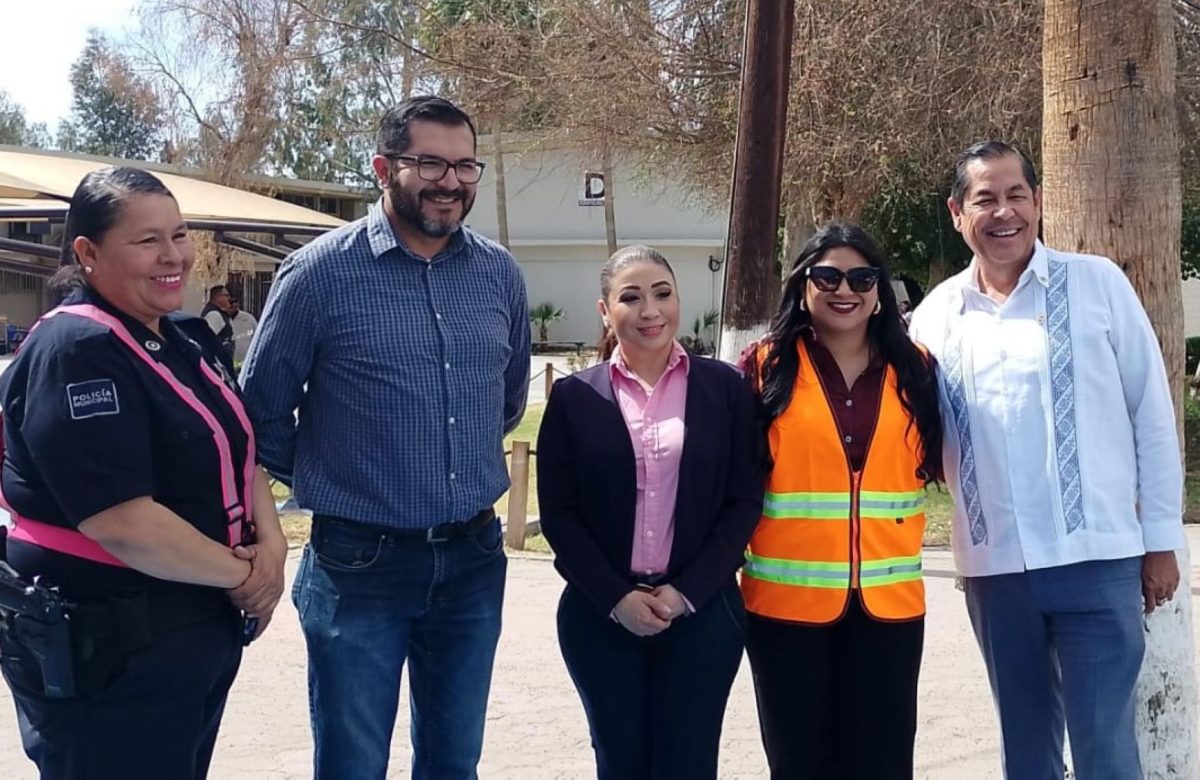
x: 1110, y: 149
x: 751, y: 284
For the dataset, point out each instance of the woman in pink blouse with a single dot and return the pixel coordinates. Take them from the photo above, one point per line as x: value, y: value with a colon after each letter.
x: 649, y: 490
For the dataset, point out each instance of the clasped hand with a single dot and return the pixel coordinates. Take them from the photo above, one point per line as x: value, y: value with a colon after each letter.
x: 260, y: 593
x: 646, y: 613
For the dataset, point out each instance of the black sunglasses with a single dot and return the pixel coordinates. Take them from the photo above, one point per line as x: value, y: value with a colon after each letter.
x: 826, y: 278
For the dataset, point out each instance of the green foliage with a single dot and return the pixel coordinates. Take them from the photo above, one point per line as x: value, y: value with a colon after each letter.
x: 1191, y: 408
x: 912, y: 226
x: 1190, y: 242
x: 1193, y: 355
x: 701, y: 340
x: 353, y: 71
x: 15, y: 130
x: 114, y: 111
x: 542, y: 315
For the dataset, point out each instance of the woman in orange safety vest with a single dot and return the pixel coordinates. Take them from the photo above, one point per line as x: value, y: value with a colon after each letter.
x: 832, y: 580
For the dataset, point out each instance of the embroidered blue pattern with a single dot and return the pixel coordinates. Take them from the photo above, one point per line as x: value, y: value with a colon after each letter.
x: 1062, y: 389
x: 952, y: 362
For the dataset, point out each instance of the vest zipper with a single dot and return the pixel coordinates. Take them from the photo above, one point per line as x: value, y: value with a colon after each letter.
x: 855, y: 529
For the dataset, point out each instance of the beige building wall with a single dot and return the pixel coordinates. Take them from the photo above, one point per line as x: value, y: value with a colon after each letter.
x: 1191, y: 307
x: 561, y: 245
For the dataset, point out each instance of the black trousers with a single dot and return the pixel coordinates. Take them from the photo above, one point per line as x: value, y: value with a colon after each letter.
x: 654, y: 704
x: 157, y: 719
x: 837, y: 701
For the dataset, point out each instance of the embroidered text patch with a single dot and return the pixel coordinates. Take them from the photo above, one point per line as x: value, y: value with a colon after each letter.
x: 92, y: 398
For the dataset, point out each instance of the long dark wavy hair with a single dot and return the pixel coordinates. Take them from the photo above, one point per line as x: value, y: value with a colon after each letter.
x: 886, y: 331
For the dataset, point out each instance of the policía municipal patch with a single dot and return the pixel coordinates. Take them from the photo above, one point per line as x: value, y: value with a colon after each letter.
x: 93, y: 398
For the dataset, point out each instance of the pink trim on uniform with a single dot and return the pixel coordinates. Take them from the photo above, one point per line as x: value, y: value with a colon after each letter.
x: 232, y: 503
x: 656, y: 426
x: 63, y: 540
x: 239, y: 411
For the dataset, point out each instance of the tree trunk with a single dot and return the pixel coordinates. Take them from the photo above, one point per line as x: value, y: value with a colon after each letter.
x: 751, y: 284
x: 501, y: 187
x: 1112, y: 187
x: 610, y: 192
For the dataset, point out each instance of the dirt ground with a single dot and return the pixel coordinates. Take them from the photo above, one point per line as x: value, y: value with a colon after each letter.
x: 536, y: 727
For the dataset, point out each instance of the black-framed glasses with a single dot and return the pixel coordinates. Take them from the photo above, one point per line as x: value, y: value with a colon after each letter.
x: 826, y: 278
x: 431, y: 168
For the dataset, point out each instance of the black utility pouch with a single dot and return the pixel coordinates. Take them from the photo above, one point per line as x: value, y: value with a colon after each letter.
x: 103, y: 636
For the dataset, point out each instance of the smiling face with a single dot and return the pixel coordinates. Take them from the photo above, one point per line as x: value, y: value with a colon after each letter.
x: 141, y: 264
x: 1000, y: 212
x: 433, y: 209
x: 642, y: 309
x: 842, y: 310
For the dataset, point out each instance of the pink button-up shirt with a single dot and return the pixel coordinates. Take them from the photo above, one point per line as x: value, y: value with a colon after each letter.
x: 654, y: 417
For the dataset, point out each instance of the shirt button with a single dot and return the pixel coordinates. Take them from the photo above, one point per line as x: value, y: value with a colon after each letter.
x: 849, y: 402
x: 452, y: 475
x: 849, y: 439
x: 437, y: 315
x: 652, y: 494
x: 650, y: 534
x: 452, y: 421
x: 446, y: 366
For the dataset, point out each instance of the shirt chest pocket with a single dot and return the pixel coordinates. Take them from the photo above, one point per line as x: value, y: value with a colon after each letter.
x: 186, y: 459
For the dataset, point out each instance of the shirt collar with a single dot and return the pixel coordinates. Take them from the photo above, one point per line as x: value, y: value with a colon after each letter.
x: 1038, y: 269
x: 168, y: 330
x: 679, y: 355
x: 383, y: 239
x: 809, y: 335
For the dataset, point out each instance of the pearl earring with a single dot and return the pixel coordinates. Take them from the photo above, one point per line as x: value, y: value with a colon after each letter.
x: 87, y: 269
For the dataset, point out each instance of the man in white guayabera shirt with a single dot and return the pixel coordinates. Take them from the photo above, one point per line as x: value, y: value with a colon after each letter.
x: 1062, y: 457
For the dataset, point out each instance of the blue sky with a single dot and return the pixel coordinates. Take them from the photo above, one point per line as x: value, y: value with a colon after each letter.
x: 40, y: 41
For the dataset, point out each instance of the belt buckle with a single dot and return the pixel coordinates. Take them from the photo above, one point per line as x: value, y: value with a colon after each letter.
x: 432, y: 537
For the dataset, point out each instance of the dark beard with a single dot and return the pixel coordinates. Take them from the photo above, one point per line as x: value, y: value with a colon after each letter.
x: 408, y: 208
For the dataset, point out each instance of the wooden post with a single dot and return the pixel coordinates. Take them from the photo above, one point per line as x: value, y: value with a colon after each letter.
x: 518, y: 496
x: 549, y: 379
x: 751, y: 284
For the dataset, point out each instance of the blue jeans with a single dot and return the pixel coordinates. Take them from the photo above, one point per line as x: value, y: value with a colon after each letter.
x: 367, y: 601
x: 1063, y: 641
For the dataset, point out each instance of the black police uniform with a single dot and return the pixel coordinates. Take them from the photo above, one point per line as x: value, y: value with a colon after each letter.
x: 171, y: 650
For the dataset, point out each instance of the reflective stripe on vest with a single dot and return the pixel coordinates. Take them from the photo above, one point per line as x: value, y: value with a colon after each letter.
x: 836, y: 506
x: 822, y: 574
x: 238, y: 508
x: 825, y: 529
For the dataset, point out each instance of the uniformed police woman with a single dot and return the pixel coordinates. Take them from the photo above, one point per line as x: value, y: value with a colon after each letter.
x: 129, y: 468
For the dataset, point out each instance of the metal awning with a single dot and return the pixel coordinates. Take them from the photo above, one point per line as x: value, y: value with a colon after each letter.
x: 36, y: 186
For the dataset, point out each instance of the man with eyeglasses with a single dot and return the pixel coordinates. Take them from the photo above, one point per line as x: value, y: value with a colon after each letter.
x: 1061, y: 453
x: 403, y: 341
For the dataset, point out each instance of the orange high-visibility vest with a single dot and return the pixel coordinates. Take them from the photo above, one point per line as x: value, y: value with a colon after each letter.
x: 826, y: 528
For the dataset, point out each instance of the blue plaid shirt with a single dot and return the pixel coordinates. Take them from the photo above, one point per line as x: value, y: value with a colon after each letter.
x: 406, y: 374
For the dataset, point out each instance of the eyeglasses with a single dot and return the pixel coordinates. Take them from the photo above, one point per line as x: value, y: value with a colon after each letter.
x: 431, y: 168
x: 826, y: 278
